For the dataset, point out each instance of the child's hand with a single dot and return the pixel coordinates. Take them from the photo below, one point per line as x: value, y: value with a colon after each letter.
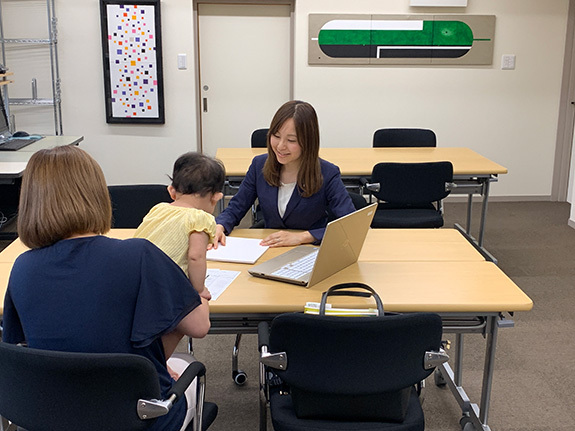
x: 205, y: 293
x: 220, y: 237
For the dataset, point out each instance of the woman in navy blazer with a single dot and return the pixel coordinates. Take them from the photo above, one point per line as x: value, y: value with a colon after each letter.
x: 294, y: 186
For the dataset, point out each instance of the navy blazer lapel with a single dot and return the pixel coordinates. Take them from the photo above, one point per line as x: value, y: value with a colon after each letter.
x: 272, y: 194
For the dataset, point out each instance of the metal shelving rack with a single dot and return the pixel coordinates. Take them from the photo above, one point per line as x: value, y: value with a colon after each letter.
x: 52, y: 44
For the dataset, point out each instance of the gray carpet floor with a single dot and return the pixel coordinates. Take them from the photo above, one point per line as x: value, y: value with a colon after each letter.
x: 533, y: 381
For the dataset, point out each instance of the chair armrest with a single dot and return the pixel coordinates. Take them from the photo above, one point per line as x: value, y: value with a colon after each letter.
x: 272, y: 360
x: 195, y: 369
x: 263, y: 335
x: 149, y: 409
x: 373, y: 187
x: 433, y: 359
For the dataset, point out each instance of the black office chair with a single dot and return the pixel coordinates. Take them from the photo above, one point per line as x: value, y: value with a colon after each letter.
x: 358, y: 200
x: 410, y: 194
x: 259, y: 138
x: 347, y: 373
x: 131, y: 203
x: 49, y: 390
x: 404, y: 138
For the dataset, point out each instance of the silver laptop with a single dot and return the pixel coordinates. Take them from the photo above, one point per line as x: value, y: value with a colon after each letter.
x: 307, y: 265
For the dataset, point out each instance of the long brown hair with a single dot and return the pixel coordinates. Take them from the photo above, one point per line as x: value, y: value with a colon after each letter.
x: 63, y: 194
x: 309, y: 178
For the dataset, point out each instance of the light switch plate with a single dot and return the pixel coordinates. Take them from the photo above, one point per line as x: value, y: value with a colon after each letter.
x: 507, y: 62
x: 182, y: 61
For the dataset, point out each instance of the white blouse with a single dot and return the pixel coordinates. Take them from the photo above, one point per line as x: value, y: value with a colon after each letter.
x: 284, y: 194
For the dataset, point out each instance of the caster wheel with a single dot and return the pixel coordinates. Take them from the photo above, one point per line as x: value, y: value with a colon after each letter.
x: 466, y: 424
x: 240, y: 377
x: 439, y: 379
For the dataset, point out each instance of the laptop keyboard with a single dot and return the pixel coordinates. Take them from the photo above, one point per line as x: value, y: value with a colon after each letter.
x: 298, y: 268
x: 16, y: 144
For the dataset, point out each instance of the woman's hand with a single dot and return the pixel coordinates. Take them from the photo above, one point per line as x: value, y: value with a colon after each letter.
x: 286, y: 239
x: 220, y: 237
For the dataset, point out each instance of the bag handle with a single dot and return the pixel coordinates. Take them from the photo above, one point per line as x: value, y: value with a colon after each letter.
x: 339, y: 290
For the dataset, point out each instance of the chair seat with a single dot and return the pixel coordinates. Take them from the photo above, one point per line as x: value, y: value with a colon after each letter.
x: 284, y: 418
x: 388, y: 216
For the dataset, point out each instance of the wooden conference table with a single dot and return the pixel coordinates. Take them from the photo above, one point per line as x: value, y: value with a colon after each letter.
x: 415, y: 270
x: 472, y: 173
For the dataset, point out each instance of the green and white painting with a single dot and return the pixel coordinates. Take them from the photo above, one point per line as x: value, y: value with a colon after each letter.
x: 401, y: 39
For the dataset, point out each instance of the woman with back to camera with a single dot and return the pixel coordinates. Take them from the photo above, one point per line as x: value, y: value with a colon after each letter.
x: 79, y: 291
x: 295, y: 188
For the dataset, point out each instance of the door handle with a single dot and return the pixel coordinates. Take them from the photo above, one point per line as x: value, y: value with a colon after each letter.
x: 205, y: 103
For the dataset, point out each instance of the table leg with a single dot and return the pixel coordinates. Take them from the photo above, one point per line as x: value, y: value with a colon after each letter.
x: 458, y: 371
x: 485, y: 195
x: 469, y: 212
x: 488, y: 368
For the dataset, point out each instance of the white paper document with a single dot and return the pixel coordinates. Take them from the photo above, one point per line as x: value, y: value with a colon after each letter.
x: 238, y: 250
x: 217, y: 281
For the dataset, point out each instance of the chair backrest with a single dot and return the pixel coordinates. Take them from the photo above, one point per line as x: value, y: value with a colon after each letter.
x: 48, y: 390
x: 358, y: 201
x: 412, y: 183
x: 131, y: 203
x: 354, y: 368
x: 404, y: 138
x: 259, y: 138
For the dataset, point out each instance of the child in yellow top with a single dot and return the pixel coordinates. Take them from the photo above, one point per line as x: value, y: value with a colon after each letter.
x: 184, y: 228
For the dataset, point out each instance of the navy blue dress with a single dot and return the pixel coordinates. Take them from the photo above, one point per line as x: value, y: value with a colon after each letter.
x: 301, y: 213
x: 100, y: 295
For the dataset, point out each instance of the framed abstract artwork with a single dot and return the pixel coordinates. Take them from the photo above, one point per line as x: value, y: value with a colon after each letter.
x: 462, y: 40
x: 132, y: 56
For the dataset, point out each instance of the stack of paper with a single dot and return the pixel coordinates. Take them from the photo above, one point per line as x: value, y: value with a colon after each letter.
x: 218, y: 280
x: 237, y: 250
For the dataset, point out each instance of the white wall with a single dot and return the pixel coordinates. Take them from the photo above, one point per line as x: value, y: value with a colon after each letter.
x: 508, y: 116
x: 127, y: 153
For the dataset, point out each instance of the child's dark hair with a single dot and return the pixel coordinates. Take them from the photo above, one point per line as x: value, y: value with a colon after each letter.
x: 197, y: 173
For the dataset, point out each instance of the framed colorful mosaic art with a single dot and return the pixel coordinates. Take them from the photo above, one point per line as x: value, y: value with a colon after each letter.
x: 132, y: 56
